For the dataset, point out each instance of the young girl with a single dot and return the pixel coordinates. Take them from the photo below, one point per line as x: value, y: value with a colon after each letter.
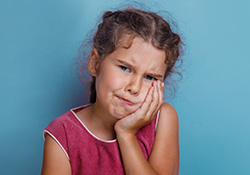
x: 127, y: 128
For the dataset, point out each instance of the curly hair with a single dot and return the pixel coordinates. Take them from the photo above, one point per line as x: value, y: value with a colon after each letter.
x: 134, y: 22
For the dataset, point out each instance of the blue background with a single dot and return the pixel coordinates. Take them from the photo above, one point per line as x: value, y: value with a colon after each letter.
x: 39, y: 41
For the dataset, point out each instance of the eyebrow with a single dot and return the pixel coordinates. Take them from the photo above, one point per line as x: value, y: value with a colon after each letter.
x: 126, y: 64
x: 131, y: 66
x: 156, y: 75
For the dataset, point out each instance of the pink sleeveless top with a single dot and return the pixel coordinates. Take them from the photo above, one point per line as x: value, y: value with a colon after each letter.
x: 89, y: 154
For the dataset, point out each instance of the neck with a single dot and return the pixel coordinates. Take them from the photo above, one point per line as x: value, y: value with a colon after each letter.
x: 103, y: 120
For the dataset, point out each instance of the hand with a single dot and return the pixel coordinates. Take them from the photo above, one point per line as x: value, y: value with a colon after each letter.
x: 145, y: 113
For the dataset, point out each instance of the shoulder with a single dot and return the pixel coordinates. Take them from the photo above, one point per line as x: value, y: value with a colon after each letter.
x: 167, y: 127
x: 64, y: 117
x: 61, y: 121
x: 167, y: 108
x: 60, y: 129
x: 168, y: 115
x: 55, y: 158
x: 165, y: 153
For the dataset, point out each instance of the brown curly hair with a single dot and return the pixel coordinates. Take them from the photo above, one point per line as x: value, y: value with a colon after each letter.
x: 135, y: 23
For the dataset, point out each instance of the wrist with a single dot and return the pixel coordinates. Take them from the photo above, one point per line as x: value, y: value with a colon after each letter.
x: 125, y: 135
x: 123, y: 131
x: 126, y: 139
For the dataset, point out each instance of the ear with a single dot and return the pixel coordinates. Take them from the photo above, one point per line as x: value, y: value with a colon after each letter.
x: 94, y: 62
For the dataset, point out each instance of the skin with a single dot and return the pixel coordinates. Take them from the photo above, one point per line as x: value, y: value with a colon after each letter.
x: 129, y: 94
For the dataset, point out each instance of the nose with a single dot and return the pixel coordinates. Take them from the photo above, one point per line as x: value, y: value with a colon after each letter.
x: 134, y: 86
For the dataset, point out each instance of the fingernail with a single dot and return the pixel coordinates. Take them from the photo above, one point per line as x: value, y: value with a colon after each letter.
x: 162, y: 84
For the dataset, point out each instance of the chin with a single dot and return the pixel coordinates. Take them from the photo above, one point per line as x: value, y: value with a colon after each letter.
x: 120, y: 113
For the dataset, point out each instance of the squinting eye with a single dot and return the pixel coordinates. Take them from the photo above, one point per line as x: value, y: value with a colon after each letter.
x: 125, y: 68
x: 150, y: 78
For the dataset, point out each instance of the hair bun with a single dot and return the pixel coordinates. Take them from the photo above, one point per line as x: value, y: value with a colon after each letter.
x: 120, y: 16
x: 117, y: 15
x: 107, y: 14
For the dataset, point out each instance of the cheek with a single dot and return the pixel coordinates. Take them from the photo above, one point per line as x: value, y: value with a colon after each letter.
x: 109, y: 81
x: 117, y: 82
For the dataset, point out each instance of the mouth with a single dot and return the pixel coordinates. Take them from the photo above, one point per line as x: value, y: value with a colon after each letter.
x: 126, y: 101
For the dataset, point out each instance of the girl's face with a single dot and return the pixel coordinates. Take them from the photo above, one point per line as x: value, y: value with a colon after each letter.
x: 125, y: 76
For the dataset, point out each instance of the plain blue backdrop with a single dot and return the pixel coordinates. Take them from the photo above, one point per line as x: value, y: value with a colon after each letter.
x: 39, y: 41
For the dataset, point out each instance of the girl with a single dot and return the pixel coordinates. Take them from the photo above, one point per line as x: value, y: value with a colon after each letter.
x: 127, y: 128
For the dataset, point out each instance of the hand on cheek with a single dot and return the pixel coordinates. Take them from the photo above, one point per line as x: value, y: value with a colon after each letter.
x: 157, y: 100
x: 145, y: 113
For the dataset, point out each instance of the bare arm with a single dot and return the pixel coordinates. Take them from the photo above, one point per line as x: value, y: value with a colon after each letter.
x: 164, y: 158
x: 165, y: 153
x: 55, y: 162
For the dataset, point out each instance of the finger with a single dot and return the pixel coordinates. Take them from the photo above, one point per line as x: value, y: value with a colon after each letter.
x: 139, y: 118
x: 156, y: 96
x: 147, y: 102
x: 155, y: 103
x: 160, y: 97
x: 161, y: 94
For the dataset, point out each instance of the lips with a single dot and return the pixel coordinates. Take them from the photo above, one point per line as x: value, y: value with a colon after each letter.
x: 126, y: 101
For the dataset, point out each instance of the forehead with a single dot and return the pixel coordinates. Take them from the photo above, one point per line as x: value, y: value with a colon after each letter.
x: 142, y: 55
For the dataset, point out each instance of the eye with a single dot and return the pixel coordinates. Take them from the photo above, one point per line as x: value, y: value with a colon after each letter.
x: 148, y: 77
x: 125, y: 69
